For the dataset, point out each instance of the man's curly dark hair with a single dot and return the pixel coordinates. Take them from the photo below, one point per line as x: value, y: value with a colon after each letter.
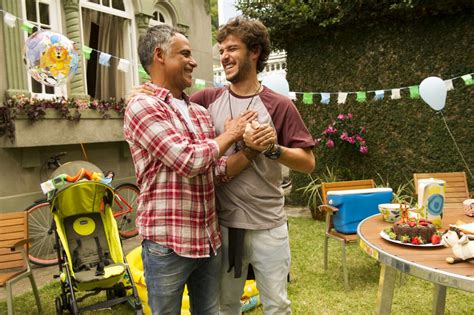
x: 252, y: 33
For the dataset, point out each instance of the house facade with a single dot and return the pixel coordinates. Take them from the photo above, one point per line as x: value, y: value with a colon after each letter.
x: 105, y: 26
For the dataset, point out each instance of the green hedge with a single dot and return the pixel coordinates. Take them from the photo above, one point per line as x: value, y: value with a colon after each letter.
x: 404, y: 136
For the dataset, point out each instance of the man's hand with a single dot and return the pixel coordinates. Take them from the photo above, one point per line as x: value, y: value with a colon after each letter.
x: 145, y: 89
x: 259, y: 136
x: 236, y: 127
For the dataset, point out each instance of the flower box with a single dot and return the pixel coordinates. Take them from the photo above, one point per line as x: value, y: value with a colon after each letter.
x: 53, y: 129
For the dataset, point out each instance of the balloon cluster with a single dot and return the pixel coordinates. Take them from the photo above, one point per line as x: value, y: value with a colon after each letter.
x: 50, y: 57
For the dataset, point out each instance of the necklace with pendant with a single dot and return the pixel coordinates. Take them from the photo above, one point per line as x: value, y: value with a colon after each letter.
x: 239, y: 144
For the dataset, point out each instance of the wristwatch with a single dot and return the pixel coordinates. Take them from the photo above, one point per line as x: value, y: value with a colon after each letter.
x: 274, y: 152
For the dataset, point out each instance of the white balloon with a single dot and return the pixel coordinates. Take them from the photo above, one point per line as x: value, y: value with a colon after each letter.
x: 433, y: 91
x: 277, y: 83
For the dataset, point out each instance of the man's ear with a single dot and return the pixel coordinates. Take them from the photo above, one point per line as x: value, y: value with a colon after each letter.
x: 159, y: 54
x: 255, y: 52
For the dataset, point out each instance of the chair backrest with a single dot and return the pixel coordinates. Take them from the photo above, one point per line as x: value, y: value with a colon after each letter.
x: 456, y: 187
x: 347, y: 185
x: 13, y: 228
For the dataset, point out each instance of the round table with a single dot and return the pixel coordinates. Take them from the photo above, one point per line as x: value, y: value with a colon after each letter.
x: 427, y: 263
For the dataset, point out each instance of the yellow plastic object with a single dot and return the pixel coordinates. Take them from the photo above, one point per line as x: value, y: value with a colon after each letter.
x: 84, y: 226
x: 134, y: 259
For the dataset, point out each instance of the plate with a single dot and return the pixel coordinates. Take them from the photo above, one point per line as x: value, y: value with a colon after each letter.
x: 386, y: 237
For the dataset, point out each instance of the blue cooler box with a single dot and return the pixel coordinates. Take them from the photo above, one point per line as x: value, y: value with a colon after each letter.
x: 356, y: 205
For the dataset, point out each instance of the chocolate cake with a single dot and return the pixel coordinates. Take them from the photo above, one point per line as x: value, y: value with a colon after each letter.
x: 422, y: 228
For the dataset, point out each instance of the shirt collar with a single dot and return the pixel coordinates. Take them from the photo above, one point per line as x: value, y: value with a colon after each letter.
x: 164, y: 94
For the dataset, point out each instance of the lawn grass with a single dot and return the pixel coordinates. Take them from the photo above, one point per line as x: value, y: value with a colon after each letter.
x: 311, y: 290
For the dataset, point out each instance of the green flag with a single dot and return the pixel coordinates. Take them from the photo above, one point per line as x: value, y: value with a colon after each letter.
x: 308, y: 98
x: 468, y: 80
x: 361, y: 96
x: 87, y: 52
x: 142, y: 73
x: 27, y: 27
x: 414, y: 91
x: 199, y: 84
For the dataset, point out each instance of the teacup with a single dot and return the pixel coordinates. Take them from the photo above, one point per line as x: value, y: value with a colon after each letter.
x: 390, y: 211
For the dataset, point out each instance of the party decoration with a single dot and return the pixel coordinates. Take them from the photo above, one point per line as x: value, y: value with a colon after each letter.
x: 123, y: 65
x: 50, y: 58
x: 199, y: 84
x: 308, y: 98
x: 361, y: 96
x: 27, y: 27
x: 433, y: 91
x: 341, y: 97
x: 414, y: 91
x: 395, y: 94
x: 277, y: 83
x: 468, y: 80
x: 9, y: 19
x: 325, y: 98
x: 87, y: 52
x: 379, y: 94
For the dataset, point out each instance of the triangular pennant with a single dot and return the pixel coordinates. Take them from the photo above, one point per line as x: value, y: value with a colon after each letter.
x: 308, y: 98
x: 9, y: 19
x: 87, y: 52
x: 449, y: 85
x: 468, y: 79
x: 361, y: 96
x: 199, y: 84
x: 104, y: 59
x: 123, y: 65
x: 395, y: 94
x: 27, y: 27
x: 379, y: 94
x: 325, y: 98
x: 341, y: 97
x: 142, y: 73
x: 414, y: 91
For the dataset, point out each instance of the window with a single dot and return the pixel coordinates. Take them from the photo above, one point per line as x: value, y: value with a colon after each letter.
x: 107, y: 27
x: 45, y: 14
x: 162, y: 15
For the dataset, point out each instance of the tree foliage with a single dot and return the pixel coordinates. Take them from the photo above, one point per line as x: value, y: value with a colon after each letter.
x: 288, y: 20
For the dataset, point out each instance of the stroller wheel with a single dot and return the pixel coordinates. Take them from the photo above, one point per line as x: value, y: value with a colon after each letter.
x: 59, y: 305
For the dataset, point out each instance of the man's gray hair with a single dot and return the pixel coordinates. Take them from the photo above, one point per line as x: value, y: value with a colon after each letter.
x: 156, y: 36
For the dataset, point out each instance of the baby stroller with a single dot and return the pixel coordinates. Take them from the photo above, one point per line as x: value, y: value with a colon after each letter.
x: 89, y: 249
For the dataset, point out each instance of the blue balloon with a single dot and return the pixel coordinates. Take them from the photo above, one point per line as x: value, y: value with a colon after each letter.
x: 277, y: 83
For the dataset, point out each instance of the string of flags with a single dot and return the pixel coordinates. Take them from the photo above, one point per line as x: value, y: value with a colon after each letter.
x: 362, y: 96
x: 307, y: 97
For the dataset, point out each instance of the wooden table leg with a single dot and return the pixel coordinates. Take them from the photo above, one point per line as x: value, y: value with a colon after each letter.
x: 385, y: 292
x: 439, y: 299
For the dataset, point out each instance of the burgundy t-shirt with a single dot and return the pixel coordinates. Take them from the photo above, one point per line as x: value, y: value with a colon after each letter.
x: 254, y: 199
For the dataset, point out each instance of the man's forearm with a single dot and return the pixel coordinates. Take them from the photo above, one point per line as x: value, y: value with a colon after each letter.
x: 297, y: 159
x: 239, y: 161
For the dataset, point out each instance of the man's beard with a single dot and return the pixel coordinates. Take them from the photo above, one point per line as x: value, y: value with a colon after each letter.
x: 243, y: 71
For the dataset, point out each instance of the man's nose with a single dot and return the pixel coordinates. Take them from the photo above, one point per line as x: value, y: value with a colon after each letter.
x: 193, y: 62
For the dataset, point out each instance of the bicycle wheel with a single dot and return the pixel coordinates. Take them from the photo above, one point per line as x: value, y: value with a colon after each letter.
x: 41, y: 251
x: 125, y: 209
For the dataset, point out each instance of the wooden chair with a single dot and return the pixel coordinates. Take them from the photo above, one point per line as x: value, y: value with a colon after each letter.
x: 330, y: 232
x: 14, y: 263
x: 456, y: 187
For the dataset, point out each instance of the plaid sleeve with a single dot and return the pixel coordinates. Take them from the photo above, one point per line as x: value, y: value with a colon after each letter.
x: 220, y: 168
x: 150, y: 125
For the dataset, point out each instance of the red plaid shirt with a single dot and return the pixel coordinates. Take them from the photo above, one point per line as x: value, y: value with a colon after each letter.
x: 174, y: 170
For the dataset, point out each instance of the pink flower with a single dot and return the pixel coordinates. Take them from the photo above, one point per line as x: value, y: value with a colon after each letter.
x: 351, y: 140
x: 341, y: 117
x: 349, y: 116
x: 344, y: 136
x: 363, y: 130
x: 359, y: 138
x: 330, y: 144
x: 363, y: 149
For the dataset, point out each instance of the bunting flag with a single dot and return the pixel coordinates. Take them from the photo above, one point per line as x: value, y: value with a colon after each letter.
x: 395, y: 94
x: 123, y: 65
x: 414, y: 91
x: 142, y: 73
x: 379, y: 94
x: 104, y: 59
x: 361, y: 96
x: 292, y: 96
x: 199, y: 84
x: 325, y: 98
x: 468, y: 79
x: 27, y: 27
x: 308, y: 98
x: 449, y: 85
x: 341, y: 97
x: 9, y: 19
x: 87, y: 52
